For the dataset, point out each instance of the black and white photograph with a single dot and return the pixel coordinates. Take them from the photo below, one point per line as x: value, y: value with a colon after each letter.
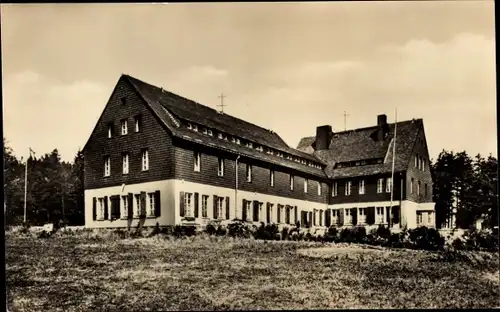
x: 250, y: 156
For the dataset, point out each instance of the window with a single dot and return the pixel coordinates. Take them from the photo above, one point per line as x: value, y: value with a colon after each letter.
x: 361, y: 186
x: 272, y: 177
x: 388, y: 185
x: 348, y: 185
x: 380, y: 185
x: 306, y: 181
x: 197, y: 161
x: 270, y: 215
x: 145, y: 160
x: 125, y: 163
x: 429, y: 218
x: 248, y: 206
x: 101, y: 209
x: 204, y: 206
x: 418, y: 188
x: 210, y: 133
x: 416, y: 161
x: 419, y: 218
x: 249, y: 173
x: 321, y: 218
x: 411, y: 186
x: 195, y: 128
x: 124, y: 126
x: 319, y: 188
x: 380, y: 215
x: 110, y: 131
x: 220, y: 168
x: 137, y: 207
x: 348, y: 216
x: 204, y: 130
x: 249, y: 144
x: 188, y: 208
x: 189, y: 126
x: 137, y: 123
x: 219, y: 135
x: 362, y: 215
x: 123, y: 100
x: 220, y: 205
x: 151, y: 201
x: 291, y: 182
x: 124, y: 206
x: 238, y: 141
x: 107, y: 166
x: 334, y: 189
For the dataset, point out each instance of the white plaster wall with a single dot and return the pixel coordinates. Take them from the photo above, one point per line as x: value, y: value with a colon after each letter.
x: 166, y: 196
x: 236, y: 204
x: 409, y: 214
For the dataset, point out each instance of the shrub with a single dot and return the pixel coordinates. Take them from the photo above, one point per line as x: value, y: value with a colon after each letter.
x: 295, y: 236
x: 184, y: 230
x: 347, y: 235
x: 210, y: 229
x: 120, y: 233
x: 44, y: 234
x: 238, y: 229
x: 284, y: 233
x: 331, y: 235
x: 359, y: 234
x: 308, y: 237
x: 221, y: 231
x: 458, y: 244
x: 383, y: 232
x: 266, y: 232
x: 425, y: 238
x: 481, y: 240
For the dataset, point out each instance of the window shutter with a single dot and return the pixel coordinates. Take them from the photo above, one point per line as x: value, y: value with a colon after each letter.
x: 268, y: 213
x: 105, y: 207
x: 94, y: 208
x: 310, y: 218
x: 181, y: 204
x: 387, y: 214
x: 157, y: 204
x: 196, y: 205
x: 130, y: 205
x: 328, y: 216
x: 244, y: 210
x: 143, y: 205
x: 215, y: 206
x: 255, y: 210
x: 295, y: 214
x: 395, y: 213
x: 227, y: 207
x: 115, y: 207
x: 354, y: 213
x: 279, y: 213
x: 341, y: 217
x: 370, y: 218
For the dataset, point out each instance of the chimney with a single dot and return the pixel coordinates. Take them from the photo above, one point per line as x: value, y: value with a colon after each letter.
x: 323, y: 137
x: 382, y: 127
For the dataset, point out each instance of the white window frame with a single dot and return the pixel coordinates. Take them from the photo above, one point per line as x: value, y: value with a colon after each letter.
x: 380, y: 185
x: 204, y: 131
x: 137, y: 124
x: 420, y: 218
x: 195, y: 128
x: 249, y: 173
x: 292, y: 182
x: 348, y: 186
x: 124, y: 126
x: 271, y: 177
x: 335, y: 189
x: 107, y: 166
x: 197, y: 161
x: 210, y: 133
x: 145, y: 160
x: 388, y: 185
x: 220, y: 167
x: 319, y: 188
x: 101, y: 209
x: 362, y: 215
x: 125, y: 163
x: 151, y: 204
x: 306, y: 182
x: 238, y: 141
x: 220, y: 207
x: 379, y: 215
x: 124, y: 206
x: 137, y: 205
x: 188, y: 205
x: 348, y: 216
x: 110, y: 131
x: 429, y: 218
x: 219, y: 136
x: 361, y: 187
x: 204, y: 206
x: 248, y: 207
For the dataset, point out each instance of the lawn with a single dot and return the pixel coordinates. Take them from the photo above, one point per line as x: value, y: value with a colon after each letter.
x: 78, y: 273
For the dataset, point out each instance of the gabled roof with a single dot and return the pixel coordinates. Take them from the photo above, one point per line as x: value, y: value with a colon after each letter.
x: 360, y: 144
x: 173, y: 109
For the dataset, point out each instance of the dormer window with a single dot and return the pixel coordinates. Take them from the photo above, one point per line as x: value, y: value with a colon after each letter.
x: 204, y: 130
x: 219, y: 136
x: 195, y: 127
x: 233, y: 140
x: 189, y: 126
x: 110, y: 131
x: 210, y: 133
x: 123, y: 100
x: 238, y: 141
x: 225, y: 137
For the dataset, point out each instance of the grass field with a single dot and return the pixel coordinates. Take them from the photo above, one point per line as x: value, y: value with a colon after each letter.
x: 77, y: 273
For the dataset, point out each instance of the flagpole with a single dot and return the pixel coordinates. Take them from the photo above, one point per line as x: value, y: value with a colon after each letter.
x: 25, y: 185
x: 393, y: 158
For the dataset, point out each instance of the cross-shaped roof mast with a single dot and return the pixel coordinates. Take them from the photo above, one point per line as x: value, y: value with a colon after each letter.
x: 221, y: 96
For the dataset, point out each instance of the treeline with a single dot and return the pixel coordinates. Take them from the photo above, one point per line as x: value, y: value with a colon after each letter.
x: 55, y: 188
x: 54, y: 192
x: 469, y: 184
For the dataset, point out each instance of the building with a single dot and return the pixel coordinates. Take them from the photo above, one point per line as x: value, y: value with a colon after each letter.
x: 156, y: 157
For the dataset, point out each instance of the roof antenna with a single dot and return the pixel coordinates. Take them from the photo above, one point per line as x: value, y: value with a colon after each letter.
x: 221, y: 96
x: 345, y: 120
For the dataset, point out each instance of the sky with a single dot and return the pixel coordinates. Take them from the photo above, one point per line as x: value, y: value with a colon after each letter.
x: 288, y: 67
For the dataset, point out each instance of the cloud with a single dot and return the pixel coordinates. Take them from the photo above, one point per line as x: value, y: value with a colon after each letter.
x: 43, y: 114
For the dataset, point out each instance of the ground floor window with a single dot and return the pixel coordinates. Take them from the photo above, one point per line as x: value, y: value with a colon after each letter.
x: 379, y: 218
x: 151, y: 202
x: 204, y: 205
x: 248, y: 206
x: 101, y: 209
x: 348, y: 216
x: 137, y: 206
x: 362, y: 215
x: 124, y: 206
x: 419, y: 218
x: 188, y: 205
x: 220, y: 207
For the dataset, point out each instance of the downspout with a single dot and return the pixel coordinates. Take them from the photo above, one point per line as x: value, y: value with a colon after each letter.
x: 236, y: 190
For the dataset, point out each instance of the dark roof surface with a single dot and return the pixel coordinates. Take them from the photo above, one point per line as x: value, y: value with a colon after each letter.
x: 172, y: 109
x: 359, y: 144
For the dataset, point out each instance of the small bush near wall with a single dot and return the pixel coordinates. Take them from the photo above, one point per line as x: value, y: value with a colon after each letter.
x: 479, y: 240
x: 426, y: 238
x: 239, y: 229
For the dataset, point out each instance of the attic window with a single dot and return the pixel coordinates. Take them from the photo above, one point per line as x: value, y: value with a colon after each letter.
x: 204, y: 130
x: 210, y: 132
x: 124, y: 100
x: 249, y: 144
x: 233, y: 140
x: 379, y: 161
x: 363, y: 163
x: 195, y: 127
x: 189, y: 126
x: 358, y: 163
x: 237, y: 141
x: 219, y: 135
